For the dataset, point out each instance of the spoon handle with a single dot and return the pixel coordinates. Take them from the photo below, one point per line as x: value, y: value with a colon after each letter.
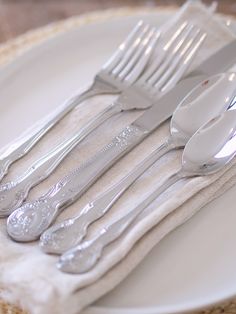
x: 15, y: 192
x: 97, y: 208
x: 84, y: 256
x: 22, y: 145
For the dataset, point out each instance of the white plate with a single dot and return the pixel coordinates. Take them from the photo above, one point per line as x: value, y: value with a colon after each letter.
x: 191, y: 268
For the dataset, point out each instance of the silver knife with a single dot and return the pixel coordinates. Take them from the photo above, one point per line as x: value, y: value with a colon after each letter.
x: 70, y: 188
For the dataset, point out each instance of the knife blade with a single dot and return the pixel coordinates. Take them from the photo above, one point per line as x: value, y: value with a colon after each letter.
x: 163, y: 109
x: 221, y: 61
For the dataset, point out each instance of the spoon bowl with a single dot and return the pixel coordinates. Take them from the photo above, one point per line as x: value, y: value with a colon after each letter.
x: 207, y: 100
x: 211, y: 147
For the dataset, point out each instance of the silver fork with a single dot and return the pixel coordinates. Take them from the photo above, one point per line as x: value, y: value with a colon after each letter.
x: 121, y: 70
x: 30, y: 220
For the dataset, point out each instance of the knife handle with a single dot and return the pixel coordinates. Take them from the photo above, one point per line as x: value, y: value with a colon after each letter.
x: 80, y: 179
x: 66, y: 191
x: 74, y: 184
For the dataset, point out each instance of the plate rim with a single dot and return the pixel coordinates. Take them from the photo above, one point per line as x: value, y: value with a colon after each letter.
x: 132, y: 310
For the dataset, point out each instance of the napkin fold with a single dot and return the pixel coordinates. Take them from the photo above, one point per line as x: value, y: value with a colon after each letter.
x: 30, y: 279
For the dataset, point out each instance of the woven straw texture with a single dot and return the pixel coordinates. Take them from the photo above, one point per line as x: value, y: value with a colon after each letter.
x: 13, y: 48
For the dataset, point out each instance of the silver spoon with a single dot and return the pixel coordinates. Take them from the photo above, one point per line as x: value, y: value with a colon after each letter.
x: 208, y: 151
x: 69, y: 233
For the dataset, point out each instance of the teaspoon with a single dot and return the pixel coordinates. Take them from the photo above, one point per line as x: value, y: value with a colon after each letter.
x: 208, y: 151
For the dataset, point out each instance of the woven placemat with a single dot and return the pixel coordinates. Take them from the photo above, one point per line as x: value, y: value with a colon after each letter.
x: 14, y: 48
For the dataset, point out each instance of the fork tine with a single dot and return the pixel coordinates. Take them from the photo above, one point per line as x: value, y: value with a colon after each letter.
x: 137, y: 70
x: 176, y: 57
x: 161, y: 55
x: 182, y: 69
x: 117, y: 55
x: 158, y: 73
x: 130, y: 51
x: 138, y: 54
x: 176, y: 61
x: 175, y: 36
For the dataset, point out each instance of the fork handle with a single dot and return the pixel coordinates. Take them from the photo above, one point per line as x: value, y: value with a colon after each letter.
x: 22, y: 145
x: 13, y: 194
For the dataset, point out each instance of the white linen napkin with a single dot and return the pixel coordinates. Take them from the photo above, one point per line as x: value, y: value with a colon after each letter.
x: 30, y: 279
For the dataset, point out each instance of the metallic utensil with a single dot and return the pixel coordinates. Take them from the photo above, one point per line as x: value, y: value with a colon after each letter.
x: 211, y: 148
x: 207, y: 100
x: 141, y: 96
x: 119, y: 72
x: 43, y: 211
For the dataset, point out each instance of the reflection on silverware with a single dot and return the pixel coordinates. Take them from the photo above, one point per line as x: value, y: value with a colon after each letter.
x: 41, y: 213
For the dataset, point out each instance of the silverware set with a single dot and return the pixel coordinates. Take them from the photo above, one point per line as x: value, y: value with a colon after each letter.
x: 180, y: 50
x: 148, y: 73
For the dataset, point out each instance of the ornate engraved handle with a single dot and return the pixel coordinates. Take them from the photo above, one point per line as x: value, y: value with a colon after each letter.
x: 43, y: 211
x: 13, y: 193
x: 22, y: 145
x: 83, y: 257
x: 69, y: 233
